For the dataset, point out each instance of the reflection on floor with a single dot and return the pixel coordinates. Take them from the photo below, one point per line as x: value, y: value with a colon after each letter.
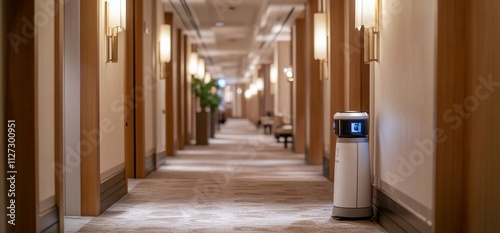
x: 243, y: 182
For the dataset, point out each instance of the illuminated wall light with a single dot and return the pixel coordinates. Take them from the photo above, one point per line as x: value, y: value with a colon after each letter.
x: 193, y: 63
x: 165, y: 43
x: 320, y: 36
x: 238, y: 91
x: 208, y: 77
x: 289, y: 73
x: 260, y: 84
x: 253, y: 89
x: 365, y: 13
x: 115, y: 16
x: 201, y: 68
x: 248, y: 94
x: 367, y: 19
x: 273, y: 75
x: 321, y: 42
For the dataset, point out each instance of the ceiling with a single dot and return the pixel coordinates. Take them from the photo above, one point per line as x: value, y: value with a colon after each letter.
x: 235, y: 36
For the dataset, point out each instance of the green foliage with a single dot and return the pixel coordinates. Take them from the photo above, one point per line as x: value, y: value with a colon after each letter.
x: 206, y: 93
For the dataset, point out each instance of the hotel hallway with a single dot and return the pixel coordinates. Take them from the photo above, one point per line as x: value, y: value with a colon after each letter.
x: 243, y: 182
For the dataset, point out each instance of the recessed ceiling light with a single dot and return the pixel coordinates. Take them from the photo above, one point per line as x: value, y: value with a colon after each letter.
x: 219, y: 23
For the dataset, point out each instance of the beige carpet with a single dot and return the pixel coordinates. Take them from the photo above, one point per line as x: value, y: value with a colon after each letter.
x: 243, y: 182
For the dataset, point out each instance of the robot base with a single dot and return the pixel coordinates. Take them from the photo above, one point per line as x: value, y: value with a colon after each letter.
x: 341, y: 212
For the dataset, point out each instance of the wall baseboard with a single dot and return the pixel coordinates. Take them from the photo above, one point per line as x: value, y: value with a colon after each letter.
x: 113, y: 189
x: 395, y: 218
x: 49, y: 220
x: 161, y: 158
x: 307, y: 154
x: 150, y: 163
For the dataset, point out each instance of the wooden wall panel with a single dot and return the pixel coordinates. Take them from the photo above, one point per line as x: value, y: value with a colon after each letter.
x: 58, y: 115
x: 337, y: 68
x: 299, y: 90
x: 20, y: 106
x: 139, y: 94
x: 451, y: 63
x: 180, y: 89
x: 186, y: 89
x: 170, y: 90
x: 129, y: 94
x: 481, y: 203
x: 89, y: 86
x: 314, y: 92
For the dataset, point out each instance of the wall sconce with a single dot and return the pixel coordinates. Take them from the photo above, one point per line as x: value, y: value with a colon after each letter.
x: 201, y: 68
x: 367, y: 20
x: 289, y: 73
x: 248, y: 94
x: 193, y: 63
x: 115, y: 18
x: 321, y: 42
x: 260, y: 84
x: 274, y: 75
x: 208, y: 77
x: 253, y: 89
x: 165, y: 43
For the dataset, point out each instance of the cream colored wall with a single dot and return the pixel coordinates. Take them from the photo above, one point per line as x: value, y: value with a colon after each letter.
x: 111, y: 92
x: 160, y: 93
x: 150, y: 78
x: 282, y: 96
x: 71, y: 141
x: 44, y: 49
x: 404, y: 96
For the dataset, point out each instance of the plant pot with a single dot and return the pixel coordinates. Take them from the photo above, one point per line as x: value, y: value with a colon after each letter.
x: 202, y: 128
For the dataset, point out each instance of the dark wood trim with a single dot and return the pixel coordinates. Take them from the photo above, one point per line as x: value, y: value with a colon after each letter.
x: 314, y: 95
x: 355, y: 61
x: 21, y: 102
x: 169, y: 96
x: 186, y: 90
x: 337, y: 71
x: 151, y: 163
x: 59, y: 110
x: 139, y: 92
x: 161, y: 158
x: 394, y: 217
x: 299, y: 89
x: 129, y: 109
x: 180, y: 90
x: 49, y: 221
x: 89, y: 109
x: 450, y: 89
x: 112, y: 190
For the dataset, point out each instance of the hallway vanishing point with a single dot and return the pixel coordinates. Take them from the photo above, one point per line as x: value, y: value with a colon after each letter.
x: 243, y: 182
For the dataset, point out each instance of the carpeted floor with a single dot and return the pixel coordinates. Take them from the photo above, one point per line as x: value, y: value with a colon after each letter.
x: 243, y: 182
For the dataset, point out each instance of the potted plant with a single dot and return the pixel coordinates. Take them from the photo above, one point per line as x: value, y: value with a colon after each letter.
x: 207, y: 96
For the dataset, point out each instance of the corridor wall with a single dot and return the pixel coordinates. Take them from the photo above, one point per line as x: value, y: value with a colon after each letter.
x: 45, y: 59
x: 111, y: 114
x: 403, y: 105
